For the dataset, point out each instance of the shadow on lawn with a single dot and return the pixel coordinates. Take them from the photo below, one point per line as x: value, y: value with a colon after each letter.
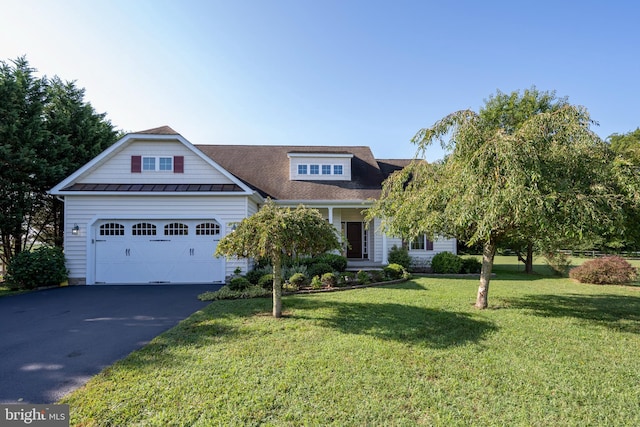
x: 619, y: 312
x: 397, y: 322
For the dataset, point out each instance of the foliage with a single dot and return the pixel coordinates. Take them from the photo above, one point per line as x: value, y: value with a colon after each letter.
x: 394, y: 271
x: 377, y: 276
x: 471, y: 266
x: 627, y: 144
x: 399, y: 255
x: 254, y: 275
x: 266, y: 281
x: 47, y: 131
x: 526, y: 165
x: 446, y: 263
x: 298, y: 279
x: 316, y: 283
x: 363, y: 277
x: 239, y: 283
x: 329, y: 280
x: 318, y: 269
x: 337, y: 262
x: 559, y: 262
x: 44, y: 266
x: 226, y: 292
x: 609, y: 270
x: 275, y: 232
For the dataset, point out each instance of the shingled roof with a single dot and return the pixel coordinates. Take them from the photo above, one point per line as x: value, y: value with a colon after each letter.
x: 265, y: 168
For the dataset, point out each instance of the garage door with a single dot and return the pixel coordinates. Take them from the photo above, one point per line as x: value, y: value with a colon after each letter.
x: 157, y: 251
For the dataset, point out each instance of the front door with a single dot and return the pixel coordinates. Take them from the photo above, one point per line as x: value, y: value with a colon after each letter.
x: 354, y: 237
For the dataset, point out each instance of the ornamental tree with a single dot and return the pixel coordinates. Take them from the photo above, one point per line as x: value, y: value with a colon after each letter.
x: 526, y: 166
x: 274, y: 232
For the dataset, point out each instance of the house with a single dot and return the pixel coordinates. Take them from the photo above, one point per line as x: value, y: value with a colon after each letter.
x: 152, y: 207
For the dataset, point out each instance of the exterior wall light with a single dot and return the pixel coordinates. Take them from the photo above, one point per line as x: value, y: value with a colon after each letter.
x: 75, y: 230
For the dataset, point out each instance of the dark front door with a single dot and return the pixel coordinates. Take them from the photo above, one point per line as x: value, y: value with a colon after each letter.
x: 354, y: 236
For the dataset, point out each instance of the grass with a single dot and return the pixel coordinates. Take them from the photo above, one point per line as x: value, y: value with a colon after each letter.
x: 549, y: 351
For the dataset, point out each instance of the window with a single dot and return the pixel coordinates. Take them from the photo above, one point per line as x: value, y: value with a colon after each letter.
x: 421, y: 243
x: 337, y: 169
x: 143, y: 229
x: 112, y: 229
x: 302, y: 169
x: 207, y: 229
x: 153, y: 164
x: 326, y: 169
x: 166, y: 163
x: 315, y: 169
x: 148, y: 163
x: 176, y: 229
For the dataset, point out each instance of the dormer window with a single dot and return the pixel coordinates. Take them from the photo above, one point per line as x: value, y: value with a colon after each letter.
x: 321, y: 166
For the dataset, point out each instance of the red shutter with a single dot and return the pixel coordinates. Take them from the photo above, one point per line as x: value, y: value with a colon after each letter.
x: 136, y: 164
x: 178, y: 164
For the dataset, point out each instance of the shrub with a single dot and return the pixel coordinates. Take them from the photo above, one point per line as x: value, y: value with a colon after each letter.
x: 254, y: 275
x: 377, y: 276
x: 446, y: 263
x: 316, y: 283
x: 609, y: 270
x: 298, y: 280
x: 337, y: 262
x: 319, y: 269
x: 226, y: 293
x: 394, y: 271
x: 363, y: 277
x: 329, y: 280
x: 347, y: 278
x: 399, y: 256
x: 239, y: 284
x: 43, y: 266
x: 266, y: 281
x: 471, y: 266
x: 293, y: 269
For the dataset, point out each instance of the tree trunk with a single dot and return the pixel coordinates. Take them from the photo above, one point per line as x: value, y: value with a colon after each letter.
x: 528, y: 265
x: 488, y: 252
x: 277, y: 287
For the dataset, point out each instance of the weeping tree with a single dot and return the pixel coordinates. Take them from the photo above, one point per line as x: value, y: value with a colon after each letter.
x: 273, y: 233
x: 525, y: 167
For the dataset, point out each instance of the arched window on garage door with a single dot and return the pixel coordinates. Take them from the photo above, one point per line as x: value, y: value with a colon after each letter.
x: 207, y: 229
x: 112, y: 229
x: 143, y: 229
x: 176, y: 229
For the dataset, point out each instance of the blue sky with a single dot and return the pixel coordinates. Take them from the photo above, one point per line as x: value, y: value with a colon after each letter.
x: 327, y: 72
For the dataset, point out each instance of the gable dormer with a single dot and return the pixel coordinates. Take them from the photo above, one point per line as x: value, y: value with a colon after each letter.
x: 319, y: 166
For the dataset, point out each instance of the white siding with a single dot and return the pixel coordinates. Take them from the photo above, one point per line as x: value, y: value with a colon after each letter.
x: 84, y: 210
x: 117, y: 168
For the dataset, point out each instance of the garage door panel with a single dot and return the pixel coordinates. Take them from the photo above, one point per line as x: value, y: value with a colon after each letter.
x: 137, y: 257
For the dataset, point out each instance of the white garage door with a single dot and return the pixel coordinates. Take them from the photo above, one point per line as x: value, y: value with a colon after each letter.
x: 157, y: 251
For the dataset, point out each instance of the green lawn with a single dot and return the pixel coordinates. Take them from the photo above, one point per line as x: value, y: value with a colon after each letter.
x: 548, y: 352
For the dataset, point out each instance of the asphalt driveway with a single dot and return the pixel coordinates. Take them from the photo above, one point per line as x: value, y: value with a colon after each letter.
x: 53, y: 341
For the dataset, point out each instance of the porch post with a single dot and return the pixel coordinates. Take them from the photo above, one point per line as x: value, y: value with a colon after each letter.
x: 385, y: 252
x: 330, y: 215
